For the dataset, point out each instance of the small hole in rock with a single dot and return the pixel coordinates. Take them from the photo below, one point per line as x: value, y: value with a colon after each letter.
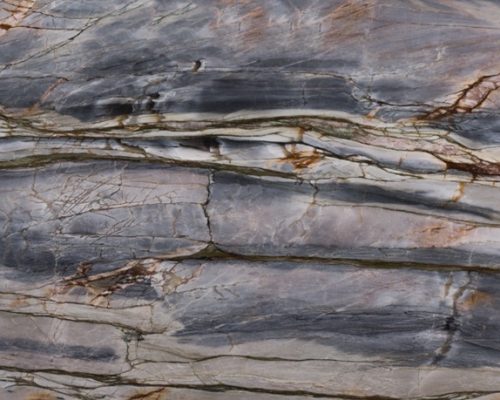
x: 197, y: 65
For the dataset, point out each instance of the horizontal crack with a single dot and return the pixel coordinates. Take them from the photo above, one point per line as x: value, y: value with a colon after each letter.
x: 213, y: 253
x: 41, y: 160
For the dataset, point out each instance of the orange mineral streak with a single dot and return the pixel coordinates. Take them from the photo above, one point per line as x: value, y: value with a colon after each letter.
x: 345, y: 22
x: 159, y: 394
x: 18, y: 10
x: 41, y: 396
x: 243, y: 19
x: 19, y: 302
x: 470, y: 98
x: 440, y: 234
x: 475, y: 299
x: 301, y: 159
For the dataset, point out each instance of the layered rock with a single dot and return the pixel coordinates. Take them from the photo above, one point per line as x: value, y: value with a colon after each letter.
x: 249, y: 200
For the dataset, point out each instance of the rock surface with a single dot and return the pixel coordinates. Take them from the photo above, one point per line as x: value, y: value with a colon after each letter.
x: 249, y: 199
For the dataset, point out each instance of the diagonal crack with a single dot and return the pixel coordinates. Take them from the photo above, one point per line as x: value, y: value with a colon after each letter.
x: 470, y: 98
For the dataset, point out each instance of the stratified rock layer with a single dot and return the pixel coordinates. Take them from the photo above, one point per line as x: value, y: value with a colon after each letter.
x: 249, y: 199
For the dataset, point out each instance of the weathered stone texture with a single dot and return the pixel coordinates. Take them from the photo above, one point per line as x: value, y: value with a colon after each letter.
x: 249, y: 200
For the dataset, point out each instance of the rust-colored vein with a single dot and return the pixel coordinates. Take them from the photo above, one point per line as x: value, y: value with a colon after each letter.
x: 101, y: 286
x: 459, y: 193
x: 133, y: 268
x: 35, y: 107
x: 18, y: 10
x: 471, y: 98
x: 301, y: 159
x: 158, y: 394
x: 477, y: 168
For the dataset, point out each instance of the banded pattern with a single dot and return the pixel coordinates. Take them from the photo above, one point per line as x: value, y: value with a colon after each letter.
x: 223, y: 199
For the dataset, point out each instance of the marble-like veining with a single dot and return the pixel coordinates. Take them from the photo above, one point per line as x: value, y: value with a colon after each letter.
x: 249, y: 199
